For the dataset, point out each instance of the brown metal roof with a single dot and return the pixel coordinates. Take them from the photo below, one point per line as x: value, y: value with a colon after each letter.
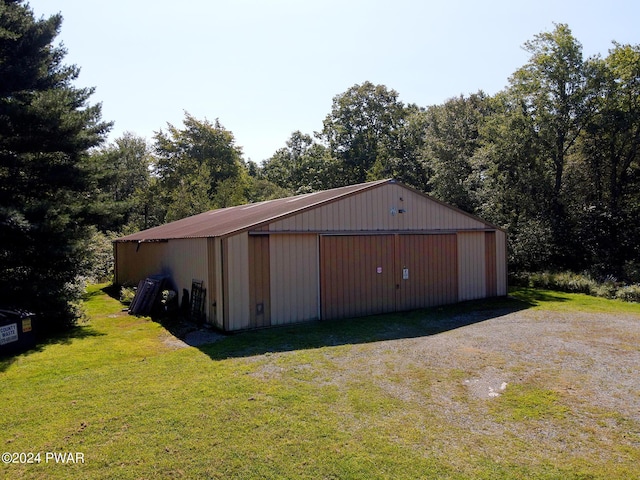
x: 216, y: 223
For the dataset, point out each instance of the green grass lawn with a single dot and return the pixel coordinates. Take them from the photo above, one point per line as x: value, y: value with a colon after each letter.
x: 561, y: 301
x: 277, y: 403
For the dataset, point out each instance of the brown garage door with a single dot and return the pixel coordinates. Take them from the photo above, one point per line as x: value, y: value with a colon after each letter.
x: 357, y: 275
x: 370, y: 274
x: 429, y: 270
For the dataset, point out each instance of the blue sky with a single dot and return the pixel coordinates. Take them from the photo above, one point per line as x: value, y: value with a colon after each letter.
x: 267, y: 68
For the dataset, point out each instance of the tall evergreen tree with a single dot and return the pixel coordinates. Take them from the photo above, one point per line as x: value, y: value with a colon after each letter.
x: 46, y: 128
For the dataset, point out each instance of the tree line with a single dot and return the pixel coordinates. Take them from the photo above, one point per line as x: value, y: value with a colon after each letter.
x: 552, y: 158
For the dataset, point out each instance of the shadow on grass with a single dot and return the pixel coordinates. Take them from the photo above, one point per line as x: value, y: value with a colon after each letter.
x: 42, y: 342
x: 535, y: 297
x: 394, y: 326
x: 111, y: 290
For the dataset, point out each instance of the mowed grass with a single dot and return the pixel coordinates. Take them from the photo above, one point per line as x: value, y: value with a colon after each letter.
x: 290, y: 402
x: 566, y: 302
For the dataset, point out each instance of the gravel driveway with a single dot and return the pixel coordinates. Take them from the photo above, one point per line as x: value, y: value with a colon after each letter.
x: 588, y: 362
x: 595, y: 357
x: 591, y: 361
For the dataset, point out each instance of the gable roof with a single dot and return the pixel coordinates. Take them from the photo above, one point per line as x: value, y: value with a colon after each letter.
x: 225, y: 221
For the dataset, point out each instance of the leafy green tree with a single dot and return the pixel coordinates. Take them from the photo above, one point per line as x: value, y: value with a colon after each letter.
x: 607, y: 199
x: 552, y: 86
x: 46, y: 129
x: 191, y: 195
x: 451, y: 139
x: 553, y: 92
x: 406, y: 161
x: 193, y: 163
x: 512, y: 186
x: 260, y: 189
x: 363, y: 127
x: 303, y: 166
x: 121, y: 179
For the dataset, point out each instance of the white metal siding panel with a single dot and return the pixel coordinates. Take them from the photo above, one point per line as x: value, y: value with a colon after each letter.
x: 501, y: 262
x: 181, y: 260
x: 123, y: 262
x: 294, y: 278
x: 471, y: 266
x: 238, y: 281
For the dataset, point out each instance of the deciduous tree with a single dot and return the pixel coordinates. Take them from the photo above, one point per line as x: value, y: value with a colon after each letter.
x: 303, y: 166
x: 363, y: 127
x: 121, y: 179
x: 606, y: 203
x: 451, y: 140
x: 553, y: 93
x: 192, y: 163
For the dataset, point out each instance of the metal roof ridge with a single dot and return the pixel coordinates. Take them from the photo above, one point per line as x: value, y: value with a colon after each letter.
x: 349, y: 190
x: 295, y: 211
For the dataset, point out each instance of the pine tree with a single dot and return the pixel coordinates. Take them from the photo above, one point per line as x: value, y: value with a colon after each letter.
x: 46, y: 128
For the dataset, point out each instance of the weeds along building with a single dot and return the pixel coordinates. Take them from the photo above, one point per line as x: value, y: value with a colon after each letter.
x: 365, y: 249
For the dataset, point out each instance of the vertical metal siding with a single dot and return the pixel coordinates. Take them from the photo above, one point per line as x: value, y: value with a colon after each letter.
x: 490, y: 261
x: 237, y: 282
x: 431, y: 261
x: 357, y: 275
x: 471, y: 265
x: 138, y: 261
x: 259, y: 282
x: 333, y: 276
x: 214, y: 297
x: 180, y: 259
x: 501, y: 263
x: 185, y: 260
x: 293, y: 276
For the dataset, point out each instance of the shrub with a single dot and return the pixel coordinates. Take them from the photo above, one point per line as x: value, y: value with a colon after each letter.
x: 577, y: 283
x: 99, y: 260
x: 127, y: 294
x: 570, y: 282
x: 629, y: 293
x: 606, y: 290
x: 564, y: 282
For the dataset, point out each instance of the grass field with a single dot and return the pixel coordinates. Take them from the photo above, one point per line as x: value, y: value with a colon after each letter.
x: 291, y: 402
